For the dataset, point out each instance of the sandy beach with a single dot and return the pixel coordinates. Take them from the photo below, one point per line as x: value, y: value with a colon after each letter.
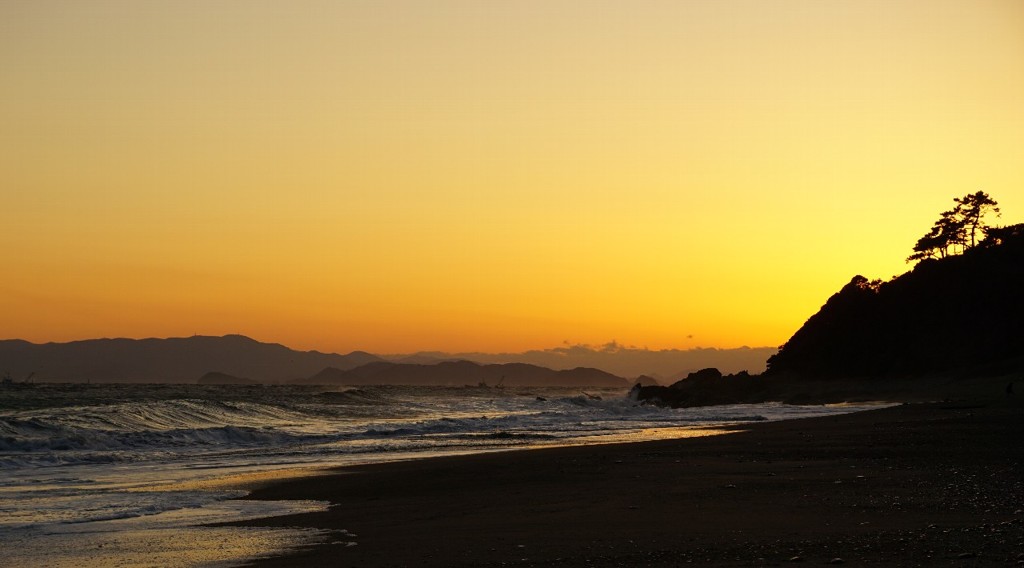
x: 927, y: 484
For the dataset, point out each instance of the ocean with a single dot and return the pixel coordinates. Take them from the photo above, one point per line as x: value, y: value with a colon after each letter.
x: 125, y: 474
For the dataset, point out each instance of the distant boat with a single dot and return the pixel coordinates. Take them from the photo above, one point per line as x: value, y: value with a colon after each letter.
x: 500, y: 385
x: 8, y: 382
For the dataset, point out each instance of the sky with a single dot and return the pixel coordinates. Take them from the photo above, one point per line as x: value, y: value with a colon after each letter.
x: 396, y: 176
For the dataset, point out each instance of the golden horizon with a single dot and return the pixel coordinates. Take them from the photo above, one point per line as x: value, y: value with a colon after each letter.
x: 398, y: 177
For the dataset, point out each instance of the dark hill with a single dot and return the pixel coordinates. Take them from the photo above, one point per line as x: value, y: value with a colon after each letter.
x: 460, y: 373
x: 951, y: 327
x: 961, y: 315
x: 166, y: 360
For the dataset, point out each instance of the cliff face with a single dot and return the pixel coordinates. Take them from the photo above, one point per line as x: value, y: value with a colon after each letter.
x: 958, y: 315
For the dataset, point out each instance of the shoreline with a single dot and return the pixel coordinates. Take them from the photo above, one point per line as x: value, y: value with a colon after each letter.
x: 918, y: 484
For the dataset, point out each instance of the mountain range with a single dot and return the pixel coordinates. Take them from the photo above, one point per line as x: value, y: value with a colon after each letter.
x: 665, y: 365
x: 185, y: 359
x: 462, y: 373
x: 172, y: 360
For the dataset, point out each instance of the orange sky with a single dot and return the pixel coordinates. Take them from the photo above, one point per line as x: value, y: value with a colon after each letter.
x: 398, y: 176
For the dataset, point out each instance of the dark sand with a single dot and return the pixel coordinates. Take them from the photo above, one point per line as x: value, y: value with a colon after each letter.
x: 938, y: 484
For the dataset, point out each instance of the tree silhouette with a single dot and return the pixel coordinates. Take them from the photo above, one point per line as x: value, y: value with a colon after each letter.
x: 972, y: 208
x: 957, y: 228
x: 995, y: 236
x: 945, y: 234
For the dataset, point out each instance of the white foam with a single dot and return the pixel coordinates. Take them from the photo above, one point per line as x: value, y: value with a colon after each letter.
x: 75, y: 472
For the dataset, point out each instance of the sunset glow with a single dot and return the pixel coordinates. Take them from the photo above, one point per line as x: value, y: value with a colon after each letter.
x: 401, y: 176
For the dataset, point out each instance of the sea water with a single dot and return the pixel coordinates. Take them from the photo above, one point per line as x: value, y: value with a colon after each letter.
x: 125, y: 474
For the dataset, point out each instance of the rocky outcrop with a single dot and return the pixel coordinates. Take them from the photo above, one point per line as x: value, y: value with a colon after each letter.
x: 707, y: 387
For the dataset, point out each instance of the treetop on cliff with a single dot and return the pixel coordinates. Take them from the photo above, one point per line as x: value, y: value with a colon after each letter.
x: 957, y: 230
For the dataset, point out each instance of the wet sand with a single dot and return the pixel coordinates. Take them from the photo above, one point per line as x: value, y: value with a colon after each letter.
x: 936, y: 484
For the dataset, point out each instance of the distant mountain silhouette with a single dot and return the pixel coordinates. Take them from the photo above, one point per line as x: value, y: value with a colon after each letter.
x: 958, y: 315
x: 460, y: 373
x: 167, y: 360
x: 618, y: 359
x: 182, y: 359
x: 218, y: 378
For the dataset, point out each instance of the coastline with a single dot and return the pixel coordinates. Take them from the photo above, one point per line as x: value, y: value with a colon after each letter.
x: 918, y: 484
